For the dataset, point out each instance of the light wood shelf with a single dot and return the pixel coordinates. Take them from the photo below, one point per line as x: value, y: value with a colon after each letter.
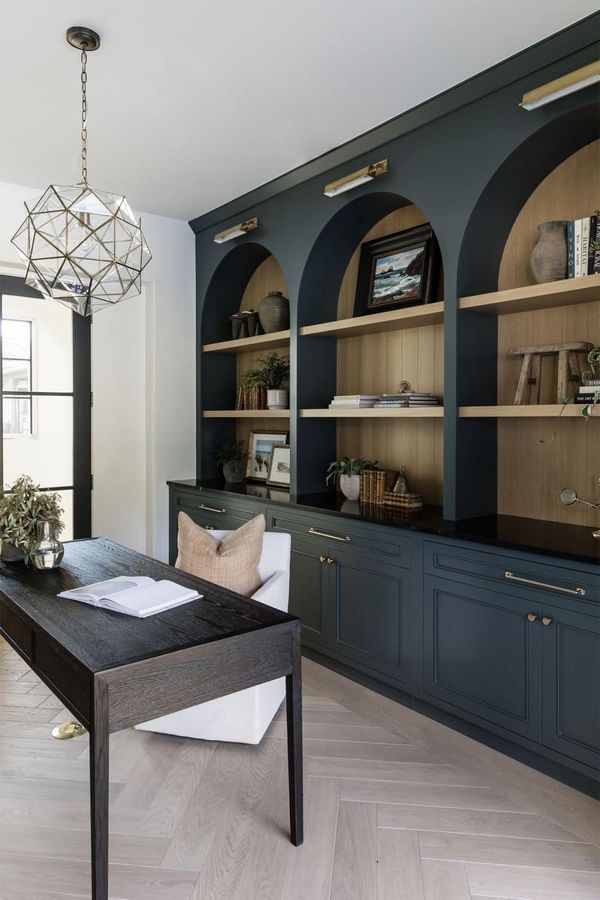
x: 246, y: 414
x: 536, y: 296
x: 391, y: 320
x: 539, y: 411
x: 242, y: 345
x: 421, y: 412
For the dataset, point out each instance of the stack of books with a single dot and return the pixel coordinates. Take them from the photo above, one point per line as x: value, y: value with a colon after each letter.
x: 408, y: 400
x: 588, y: 390
x: 353, y: 401
x: 583, y: 247
x: 375, y: 483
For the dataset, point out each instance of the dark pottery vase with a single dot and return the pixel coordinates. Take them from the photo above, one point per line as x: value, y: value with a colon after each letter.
x: 236, y: 324
x: 274, y: 312
x: 549, y: 256
x: 233, y: 473
x: 11, y: 553
x: 253, y: 323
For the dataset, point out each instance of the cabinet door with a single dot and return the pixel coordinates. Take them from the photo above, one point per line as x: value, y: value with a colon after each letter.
x: 571, y: 655
x: 482, y: 654
x: 373, y: 605
x: 309, y: 580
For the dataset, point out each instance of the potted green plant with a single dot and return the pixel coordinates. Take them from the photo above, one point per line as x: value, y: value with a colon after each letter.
x: 23, y: 508
x: 348, y: 471
x: 233, y: 457
x: 272, y: 371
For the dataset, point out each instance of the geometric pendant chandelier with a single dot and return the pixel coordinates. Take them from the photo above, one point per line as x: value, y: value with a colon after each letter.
x: 83, y: 247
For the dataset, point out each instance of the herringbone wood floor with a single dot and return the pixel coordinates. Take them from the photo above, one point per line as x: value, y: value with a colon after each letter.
x: 397, y: 807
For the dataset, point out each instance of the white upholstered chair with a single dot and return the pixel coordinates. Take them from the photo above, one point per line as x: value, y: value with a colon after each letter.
x: 244, y: 716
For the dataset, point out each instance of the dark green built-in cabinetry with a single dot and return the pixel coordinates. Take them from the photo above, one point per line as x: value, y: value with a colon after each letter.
x: 423, y: 608
x: 424, y: 611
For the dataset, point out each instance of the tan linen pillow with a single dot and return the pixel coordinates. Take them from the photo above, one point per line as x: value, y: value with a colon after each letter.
x: 232, y: 563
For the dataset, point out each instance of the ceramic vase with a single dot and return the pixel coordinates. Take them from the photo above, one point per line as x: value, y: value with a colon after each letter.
x: 350, y: 486
x: 233, y: 473
x: 277, y: 399
x: 274, y: 312
x: 549, y: 256
x: 11, y: 553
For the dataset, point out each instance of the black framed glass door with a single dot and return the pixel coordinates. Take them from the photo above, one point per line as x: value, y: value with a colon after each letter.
x: 45, y: 388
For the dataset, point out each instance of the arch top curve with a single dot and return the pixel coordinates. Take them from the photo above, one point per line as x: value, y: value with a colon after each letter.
x: 333, y: 248
x: 509, y: 189
x: 227, y: 286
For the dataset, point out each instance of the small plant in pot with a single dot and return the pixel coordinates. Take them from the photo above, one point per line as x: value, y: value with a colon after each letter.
x: 348, y: 471
x: 233, y: 457
x: 272, y: 371
x: 24, y: 510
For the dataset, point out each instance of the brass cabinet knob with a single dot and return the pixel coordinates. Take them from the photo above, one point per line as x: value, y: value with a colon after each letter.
x: 330, y: 560
x: 531, y: 617
x: 546, y: 620
x: 322, y: 559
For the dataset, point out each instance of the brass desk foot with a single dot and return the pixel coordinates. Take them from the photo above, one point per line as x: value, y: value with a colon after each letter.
x: 68, y: 730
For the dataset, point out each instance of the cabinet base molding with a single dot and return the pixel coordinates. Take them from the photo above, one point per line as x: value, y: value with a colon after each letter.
x: 587, y: 784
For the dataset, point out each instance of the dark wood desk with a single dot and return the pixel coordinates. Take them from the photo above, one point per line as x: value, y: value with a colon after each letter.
x: 114, y: 671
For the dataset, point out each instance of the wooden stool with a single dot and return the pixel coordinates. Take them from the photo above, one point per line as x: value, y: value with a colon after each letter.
x: 569, y: 369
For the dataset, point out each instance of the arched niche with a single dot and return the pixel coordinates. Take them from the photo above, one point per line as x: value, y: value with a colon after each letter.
x: 329, y: 277
x: 242, y: 278
x: 564, y: 452
x: 509, y: 190
x: 369, y: 363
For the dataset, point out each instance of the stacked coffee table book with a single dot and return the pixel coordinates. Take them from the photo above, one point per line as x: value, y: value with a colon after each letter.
x: 405, y: 400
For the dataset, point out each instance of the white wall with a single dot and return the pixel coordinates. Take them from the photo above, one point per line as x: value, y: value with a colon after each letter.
x: 143, y: 379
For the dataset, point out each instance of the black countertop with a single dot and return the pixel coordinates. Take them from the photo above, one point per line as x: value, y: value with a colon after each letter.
x: 574, y: 542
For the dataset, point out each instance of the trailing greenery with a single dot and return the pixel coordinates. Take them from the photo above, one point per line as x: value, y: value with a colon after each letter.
x: 232, y: 454
x: 272, y: 371
x: 22, y: 507
x: 349, y: 465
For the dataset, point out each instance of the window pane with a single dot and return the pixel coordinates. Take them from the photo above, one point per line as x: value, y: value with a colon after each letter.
x: 51, y: 340
x: 16, y: 337
x: 47, y: 454
x: 66, y: 502
x: 15, y: 375
x: 16, y: 417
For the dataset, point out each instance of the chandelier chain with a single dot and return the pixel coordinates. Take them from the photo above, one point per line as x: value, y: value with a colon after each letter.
x: 84, y: 116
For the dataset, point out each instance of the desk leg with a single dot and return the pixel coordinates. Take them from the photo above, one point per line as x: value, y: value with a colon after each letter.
x: 99, y: 792
x: 294, y: 737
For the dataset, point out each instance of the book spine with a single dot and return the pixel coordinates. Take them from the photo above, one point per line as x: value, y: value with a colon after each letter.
x: 577, y: 248
x: 571, y: 249
x: 593, y: 238
x: 585, y: 244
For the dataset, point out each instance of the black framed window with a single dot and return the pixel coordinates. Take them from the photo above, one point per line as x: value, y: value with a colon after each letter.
x: 17, y: 377
x: 45, y: 390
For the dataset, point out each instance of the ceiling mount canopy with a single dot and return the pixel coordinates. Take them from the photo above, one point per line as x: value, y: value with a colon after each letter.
x: 83, y: 247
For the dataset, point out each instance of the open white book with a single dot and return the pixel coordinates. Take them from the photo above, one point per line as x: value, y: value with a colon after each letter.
x: 133, y: 595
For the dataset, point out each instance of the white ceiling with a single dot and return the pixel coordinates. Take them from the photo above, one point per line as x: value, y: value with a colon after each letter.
x: 194, y: 102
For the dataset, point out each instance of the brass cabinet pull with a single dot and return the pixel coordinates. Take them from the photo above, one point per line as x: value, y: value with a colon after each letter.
x: 329, y: 560
x: 576, y: 592
x: 531, y: 617
x: 546, y: 620
x: 322, y: 559
x: 331, y: 537
x: 210, y: 508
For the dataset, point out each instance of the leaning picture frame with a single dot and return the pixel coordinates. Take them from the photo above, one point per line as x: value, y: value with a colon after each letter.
x: 260, y: 451
x: 280, y: 468
x: 397, y: 270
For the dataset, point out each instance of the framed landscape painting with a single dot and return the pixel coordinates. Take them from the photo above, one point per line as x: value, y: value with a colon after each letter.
x: 260, y: 451
x: 397, y: 270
